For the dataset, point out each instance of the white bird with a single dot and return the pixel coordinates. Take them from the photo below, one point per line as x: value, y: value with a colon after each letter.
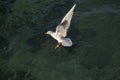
x: 61, y: 30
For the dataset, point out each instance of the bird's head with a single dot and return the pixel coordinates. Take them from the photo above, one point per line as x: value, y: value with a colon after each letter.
x: 49, y: 32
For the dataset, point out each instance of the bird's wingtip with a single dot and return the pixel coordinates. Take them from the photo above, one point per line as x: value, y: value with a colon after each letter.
x: 75, y: 4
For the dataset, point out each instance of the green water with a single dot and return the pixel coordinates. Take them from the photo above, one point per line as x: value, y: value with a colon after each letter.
x: 26, y: 53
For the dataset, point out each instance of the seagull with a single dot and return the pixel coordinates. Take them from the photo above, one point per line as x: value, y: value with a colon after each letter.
x: 61, y: 30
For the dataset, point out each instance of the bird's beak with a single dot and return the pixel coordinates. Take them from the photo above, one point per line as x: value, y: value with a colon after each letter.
x: 46, y: 33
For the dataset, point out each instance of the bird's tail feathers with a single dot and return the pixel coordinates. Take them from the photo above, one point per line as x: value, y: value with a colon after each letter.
x: 67, y: 42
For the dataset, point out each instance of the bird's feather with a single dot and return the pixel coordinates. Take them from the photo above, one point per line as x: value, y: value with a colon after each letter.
x: 63, y: 27
x: 66, y: 42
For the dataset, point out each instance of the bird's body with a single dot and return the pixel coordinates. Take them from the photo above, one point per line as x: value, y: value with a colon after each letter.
x: 55, y: 36
x: 61, y: 30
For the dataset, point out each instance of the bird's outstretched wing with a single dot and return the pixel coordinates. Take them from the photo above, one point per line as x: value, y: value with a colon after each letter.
x: 69, y: 15
x: 63, y: 27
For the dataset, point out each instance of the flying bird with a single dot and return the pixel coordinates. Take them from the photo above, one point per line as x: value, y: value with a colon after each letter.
x: 62, y: 29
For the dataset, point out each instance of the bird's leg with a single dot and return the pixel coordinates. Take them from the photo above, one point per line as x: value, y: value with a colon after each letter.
x: 58, y: 45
